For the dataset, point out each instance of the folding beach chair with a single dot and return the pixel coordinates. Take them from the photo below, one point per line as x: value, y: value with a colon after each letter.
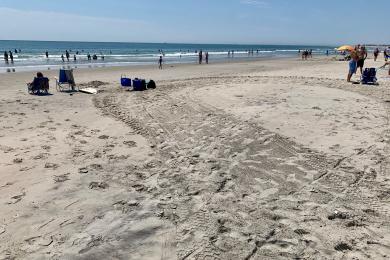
x: 38, y: 86
x: 369, y: 76
x: 65, y: 82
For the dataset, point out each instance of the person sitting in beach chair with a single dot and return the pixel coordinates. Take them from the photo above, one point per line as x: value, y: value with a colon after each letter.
x: 65, y: 82
x: 39, y: 85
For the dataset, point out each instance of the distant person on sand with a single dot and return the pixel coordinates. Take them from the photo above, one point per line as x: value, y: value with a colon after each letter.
x: 160, y: 63
x: 47, y: 54
x: 362, y: 54
x: 353, y: 64
x: 200, y: 57
x: 74, y: 58
x: 6, y: 57
x: 376, y: 54
x: 62, y: 58
x: 385, y: 54
x: 207, y: 57
x: 89, y: 56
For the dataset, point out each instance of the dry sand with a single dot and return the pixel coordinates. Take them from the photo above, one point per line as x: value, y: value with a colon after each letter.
x: 276, y: 159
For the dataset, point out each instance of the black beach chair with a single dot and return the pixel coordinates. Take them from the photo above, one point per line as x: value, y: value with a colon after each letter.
x: 369, y: 77
x: 66, y: 82
x: 38, y: 86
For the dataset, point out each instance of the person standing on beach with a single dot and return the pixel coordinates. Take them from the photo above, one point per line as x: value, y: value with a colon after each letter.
x: 11, y: 56
x: 62, y: 58
x: 385, y: 54
x: 6, y: 57
x: 89, y: 56
x: 362, y: 54
x: 47, y: 54
x: 74, y: 58
x: 160, y: 63
x: 207, y: 57
x: 353, y: 64
x: 376, y: 54
x: 200, y: 57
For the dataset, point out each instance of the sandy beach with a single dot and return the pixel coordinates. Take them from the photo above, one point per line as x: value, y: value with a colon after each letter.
x: 270, y: 159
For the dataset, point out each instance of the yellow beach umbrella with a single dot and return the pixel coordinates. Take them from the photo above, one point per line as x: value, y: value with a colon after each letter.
x: 346, y: 48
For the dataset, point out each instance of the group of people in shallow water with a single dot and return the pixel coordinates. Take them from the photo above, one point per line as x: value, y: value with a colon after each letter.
x: 9, y: 56
x: 200, y: 57
x: 67, y: 56
x: 306, y: 54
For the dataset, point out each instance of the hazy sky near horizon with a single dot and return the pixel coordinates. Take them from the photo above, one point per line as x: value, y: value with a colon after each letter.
x: 198, y: 21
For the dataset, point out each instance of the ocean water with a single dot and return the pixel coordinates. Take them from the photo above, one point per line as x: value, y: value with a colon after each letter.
x: 32, y: 53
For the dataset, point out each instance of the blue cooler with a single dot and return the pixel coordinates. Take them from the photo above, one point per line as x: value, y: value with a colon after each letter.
x: 125, y: 82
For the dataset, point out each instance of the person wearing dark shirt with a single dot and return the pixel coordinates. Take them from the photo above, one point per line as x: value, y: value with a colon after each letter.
x: 160, y: 63
x: 6, y: 57
x: 67, y: 55
x: 11, y: 56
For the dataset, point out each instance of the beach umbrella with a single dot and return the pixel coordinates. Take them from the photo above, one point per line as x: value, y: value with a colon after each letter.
x: 346, y: 48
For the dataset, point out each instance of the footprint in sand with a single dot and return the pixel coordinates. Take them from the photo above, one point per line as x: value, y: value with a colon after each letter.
x: 17, y: 198
x: 98, y: 185
x: 51, y: 166
x: 104, y: 137
x: 18, y: 160
x: 61, y: 178
x: 130, y: 144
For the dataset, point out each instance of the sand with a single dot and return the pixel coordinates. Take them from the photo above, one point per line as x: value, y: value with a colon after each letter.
x: 278, y: 159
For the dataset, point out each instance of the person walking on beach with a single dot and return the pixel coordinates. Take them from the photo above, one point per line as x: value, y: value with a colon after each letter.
x: 200, y: 57
x: 362, y: 54
x: 74, y: 58
x: 6, y: 57
x: 207, y: 57
x: 67, y: 55
x: 353, y: 64
x: 89, y: 56
x: 47, y: 54
x: 62, y: 58
x: 376, y: 53
x: 160, y: 63
x: 11, y: 56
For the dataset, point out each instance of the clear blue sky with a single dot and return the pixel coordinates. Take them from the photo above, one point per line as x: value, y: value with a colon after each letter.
x: 198, y: 21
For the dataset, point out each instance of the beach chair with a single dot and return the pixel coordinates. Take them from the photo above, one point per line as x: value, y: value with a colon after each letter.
x: 369, y: 76
x: 65, y: 82
x: 38, y: 86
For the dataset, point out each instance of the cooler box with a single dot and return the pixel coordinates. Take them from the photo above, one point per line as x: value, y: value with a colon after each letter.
x: 125, y: 82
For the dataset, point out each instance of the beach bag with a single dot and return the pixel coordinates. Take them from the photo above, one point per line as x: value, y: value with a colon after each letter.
x: 151, y: 84
x: 137, y: 85
x: 143, y: 84
x: 125, y: 82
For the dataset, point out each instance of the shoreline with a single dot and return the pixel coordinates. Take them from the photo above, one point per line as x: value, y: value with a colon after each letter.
x: 71, y: 65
